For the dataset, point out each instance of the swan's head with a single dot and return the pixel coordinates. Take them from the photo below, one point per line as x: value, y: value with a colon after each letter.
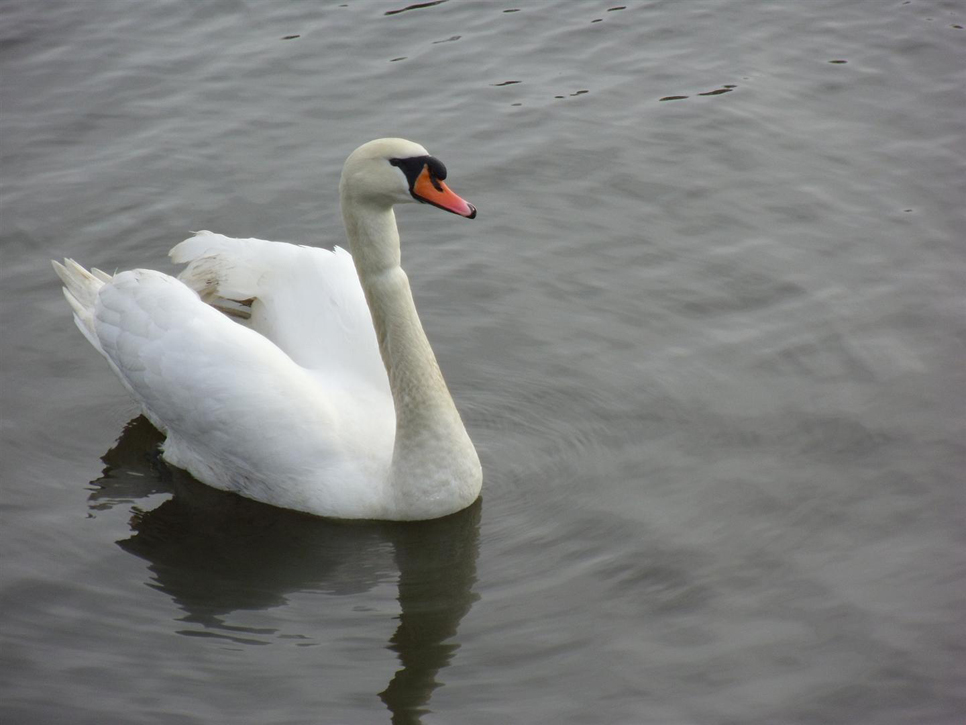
x: 391, y: 171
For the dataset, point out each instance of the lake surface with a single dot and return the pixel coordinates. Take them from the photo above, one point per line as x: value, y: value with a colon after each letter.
x: 707, y: 332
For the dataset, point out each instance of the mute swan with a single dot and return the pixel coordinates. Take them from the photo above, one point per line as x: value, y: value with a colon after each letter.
x: 331, y: 401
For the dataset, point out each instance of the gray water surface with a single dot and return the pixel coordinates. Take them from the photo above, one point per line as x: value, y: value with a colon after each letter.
x: 707, y: 332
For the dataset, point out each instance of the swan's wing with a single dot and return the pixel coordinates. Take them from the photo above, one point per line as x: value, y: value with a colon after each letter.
x: 238, y: 412
x: 181, y: 360
x: 306, y: 300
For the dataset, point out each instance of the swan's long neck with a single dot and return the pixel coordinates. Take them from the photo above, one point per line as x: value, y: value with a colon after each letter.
x: 434, y: 462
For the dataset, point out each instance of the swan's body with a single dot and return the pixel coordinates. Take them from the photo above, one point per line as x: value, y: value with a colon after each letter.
x: 332, y: 402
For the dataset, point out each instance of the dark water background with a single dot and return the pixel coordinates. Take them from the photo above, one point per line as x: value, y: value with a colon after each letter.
x: 711, y: 350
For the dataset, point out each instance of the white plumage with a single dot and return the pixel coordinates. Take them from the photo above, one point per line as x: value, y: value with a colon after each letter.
x: 305, y: 408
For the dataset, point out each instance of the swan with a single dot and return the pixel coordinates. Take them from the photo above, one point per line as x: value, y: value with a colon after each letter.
x: 330, y: 400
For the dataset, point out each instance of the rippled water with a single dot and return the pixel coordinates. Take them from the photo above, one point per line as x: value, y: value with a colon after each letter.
x: 707, y: 332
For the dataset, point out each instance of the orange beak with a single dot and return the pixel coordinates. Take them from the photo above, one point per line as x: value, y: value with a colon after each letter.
x: 431, y: 190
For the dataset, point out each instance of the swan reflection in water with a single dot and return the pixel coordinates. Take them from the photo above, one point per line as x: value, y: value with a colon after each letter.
x: 215, y: 553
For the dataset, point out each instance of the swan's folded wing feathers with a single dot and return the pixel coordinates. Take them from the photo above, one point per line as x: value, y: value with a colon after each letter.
x: 306, y: 300
x: 219, y: 266
x: 234, y: 406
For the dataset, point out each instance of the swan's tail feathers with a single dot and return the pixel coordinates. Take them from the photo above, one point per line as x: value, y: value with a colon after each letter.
x: 80, y: 289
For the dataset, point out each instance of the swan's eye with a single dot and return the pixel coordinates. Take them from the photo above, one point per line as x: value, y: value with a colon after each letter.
x: 411, y: 167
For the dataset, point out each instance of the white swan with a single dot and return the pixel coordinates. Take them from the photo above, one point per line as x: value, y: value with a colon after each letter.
x: 332, y: 402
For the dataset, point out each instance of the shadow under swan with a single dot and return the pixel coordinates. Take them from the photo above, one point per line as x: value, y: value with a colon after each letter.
x: 215, y: 553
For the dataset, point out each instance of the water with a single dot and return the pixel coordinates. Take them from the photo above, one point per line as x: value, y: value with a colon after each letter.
x: 710, y: 350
